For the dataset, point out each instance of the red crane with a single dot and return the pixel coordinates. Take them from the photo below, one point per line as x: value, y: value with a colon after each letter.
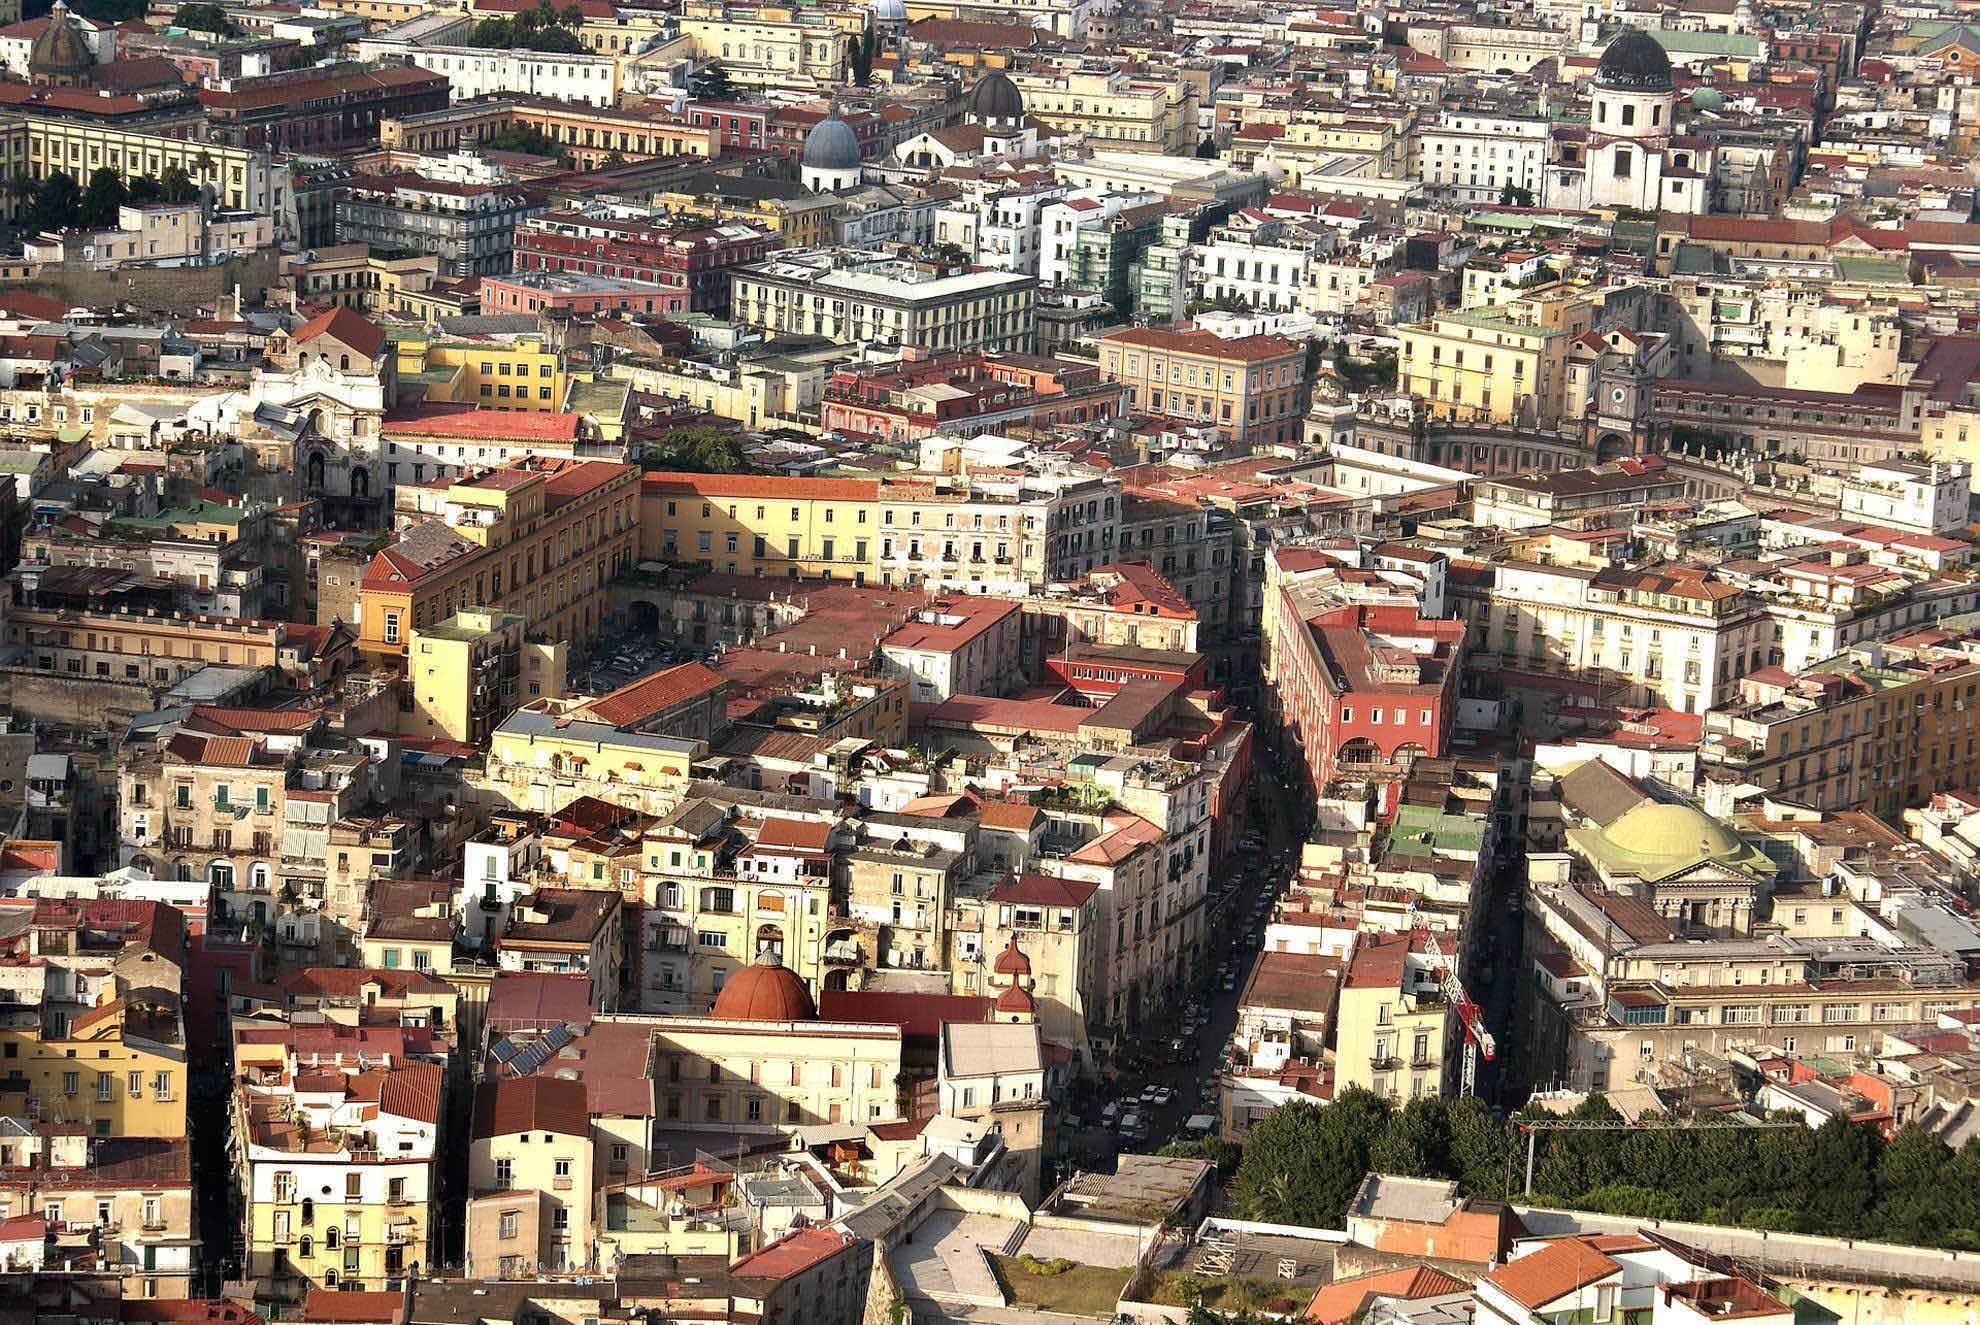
x: 1477, y: 1040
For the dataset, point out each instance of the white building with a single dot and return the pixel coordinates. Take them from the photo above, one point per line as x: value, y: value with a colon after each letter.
x: 473, y: 72
x: 1920, y: 499
x: 1257, y: 260
x: 1470, y: 157
x: 1630, y: 153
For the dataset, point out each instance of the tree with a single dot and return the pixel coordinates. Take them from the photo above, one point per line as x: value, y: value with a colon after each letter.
x: 144, y: 188
x: 1416, y: 1143
x: 20, y: 190
x: 1224, y: 1154
x: 698, y: 451
x: 204, y: 18
x: 859, y: 58
x: 100, y: 201
x: 1302, y: 1163
x: 178, y: 185
x: 529, y: 139
x: 539, y: 29
x: 1841, y: 1178
x: 1514, y: 195
x: 56, y: 200
x: 710, y: 83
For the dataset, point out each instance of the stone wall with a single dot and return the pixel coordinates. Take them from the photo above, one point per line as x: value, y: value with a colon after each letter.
x: 173, y: 290
x: 79, y: 700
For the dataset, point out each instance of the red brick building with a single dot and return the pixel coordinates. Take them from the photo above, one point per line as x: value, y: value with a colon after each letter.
x: 319, y: 110
x: 693, y: 259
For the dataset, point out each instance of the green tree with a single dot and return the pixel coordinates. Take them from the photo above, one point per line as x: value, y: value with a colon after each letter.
x: 1302, y: 1163
x: 698, y: 451
x: 20, y: 188
x: 1514, y: 195
x: 56, y: 200
x: 541, y: 28
x: 143, y: 188
x: 1416, y: 1142
x: 710, y: 83
x: 859, y: 58
x: 178, y: 185
x: 100, y: 201
x: 204, y: 18
x: 1224, y: 1154
x: 1920, y: 1195
x: 1482, y: 1149
x: 1841, y: 1178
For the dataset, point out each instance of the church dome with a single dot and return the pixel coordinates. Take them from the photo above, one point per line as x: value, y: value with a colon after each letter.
x: 1635, y: 62
x: 1655, y: 829
x: 59, y: 50
x: 765, y: 991
x: 1708, y: 98
x: 1015, y: 1002
x: 831, y: 145
x: 888, y: 11
x: 995, y: 97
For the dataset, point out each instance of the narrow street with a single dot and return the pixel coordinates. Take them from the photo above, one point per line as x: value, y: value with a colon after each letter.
x: 1187, y: 1062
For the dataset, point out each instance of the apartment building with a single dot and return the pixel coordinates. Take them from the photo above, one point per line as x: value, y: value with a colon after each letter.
x: 1250, y: 389
x: 771, y: 46
x: 857, y: 297
x: 472, y: 72
x: 721, y: 890
x: 1395, y: 1034
x: 1014, y: 527
x: 740, y: 524
x: 85, y: 1044
x: 539, y: 540
x: 531, y: 1203
x: 1114, y: 110
x: 1504, y: 365
x: 162, y: 650
x: 133, y: 1196
x: 1362, y: 689
x: 1878, y: 728
x: 470, y: 226
x: 467, y: 673
x: 1672, y: 636
x: 506, y: 372
x: 335, y: 1161
x: 1475, y: 157
x: 242, y: 179
x: 1044, y: 937
x: 966, y: 645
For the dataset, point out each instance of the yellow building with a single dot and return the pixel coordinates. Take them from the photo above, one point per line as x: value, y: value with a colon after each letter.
x: 542, y: 759
x: 519, y: 372
x: 588, y: 134
x: 531, y: 1202
x: 1493, y: 365
x: 335, y: 1185
x: 811, y: 222
x: 1394, y: 1033
x: 806, y: 528
x: 118, y: 1069
x: 1114, y: 110
x: 773, y: 45
x: 1249, y: 387
x: 472, y: 670
x: 717, y: 897
x: 239, y: 178
x: 541, y: 541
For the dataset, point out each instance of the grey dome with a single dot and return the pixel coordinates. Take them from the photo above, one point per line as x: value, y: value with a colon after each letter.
x: 1635, y: 62
x: 831, y: 146
x: 995, y: 97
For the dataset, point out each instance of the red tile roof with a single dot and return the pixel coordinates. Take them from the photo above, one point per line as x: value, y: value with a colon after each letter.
x: 1343, y: 1301
x: 791, y: 1255
x: 329, y: 1306
x: 757, y: 485
x: 642, y: 699
x: 489, y: 424
x: 1043, y: 890
x: 920, y: 1016
x: 345, y: 325
x: 412, y: 1091
x: 1551, y: 1273
x: 1250, y: 349
x: 531, y: 1104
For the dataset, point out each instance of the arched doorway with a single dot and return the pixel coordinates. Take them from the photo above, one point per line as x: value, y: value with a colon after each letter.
x: 643, y: 617
x: 1357, y: 753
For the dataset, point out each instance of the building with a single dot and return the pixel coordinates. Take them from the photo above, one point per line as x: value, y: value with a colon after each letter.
x: 857, y: 297
x: 473, y: 72
x: 1500, y: 365
x: 469, y: 226
x: 318, y: 109
x: 956, y: 646
x: 472, y: 670
x: 1395, y: 1034
x: 1113, y: 110
x: 335, y: 1161
x: 823, y: 528
x: 1250, y: 390
x: 531, y: 1197
x: 694, y: 260
x: 541, y: 541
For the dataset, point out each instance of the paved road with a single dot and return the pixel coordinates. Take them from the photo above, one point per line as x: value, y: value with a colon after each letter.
x: 1192, y: 1073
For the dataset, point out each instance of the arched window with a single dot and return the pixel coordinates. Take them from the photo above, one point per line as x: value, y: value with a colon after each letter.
x: 308, y: 1211
x: 306, y: 1246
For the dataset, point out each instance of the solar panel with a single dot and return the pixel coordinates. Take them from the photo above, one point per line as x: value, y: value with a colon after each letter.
x: 504, y: 1049
x: 540, y: 1050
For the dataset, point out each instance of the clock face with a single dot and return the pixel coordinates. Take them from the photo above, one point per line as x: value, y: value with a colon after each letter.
x: 1616, y: 394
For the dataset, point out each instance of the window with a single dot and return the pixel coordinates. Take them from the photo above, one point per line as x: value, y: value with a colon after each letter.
x: 505, y: 1174
x: 507, y: 1225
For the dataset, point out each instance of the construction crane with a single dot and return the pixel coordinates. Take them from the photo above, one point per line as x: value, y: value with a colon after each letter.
x: 1477, y: 1039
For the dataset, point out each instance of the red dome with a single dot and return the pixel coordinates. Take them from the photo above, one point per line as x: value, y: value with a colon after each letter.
x: 1012, y: 961
x: 1015, y: 999
x: 765, y: 991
